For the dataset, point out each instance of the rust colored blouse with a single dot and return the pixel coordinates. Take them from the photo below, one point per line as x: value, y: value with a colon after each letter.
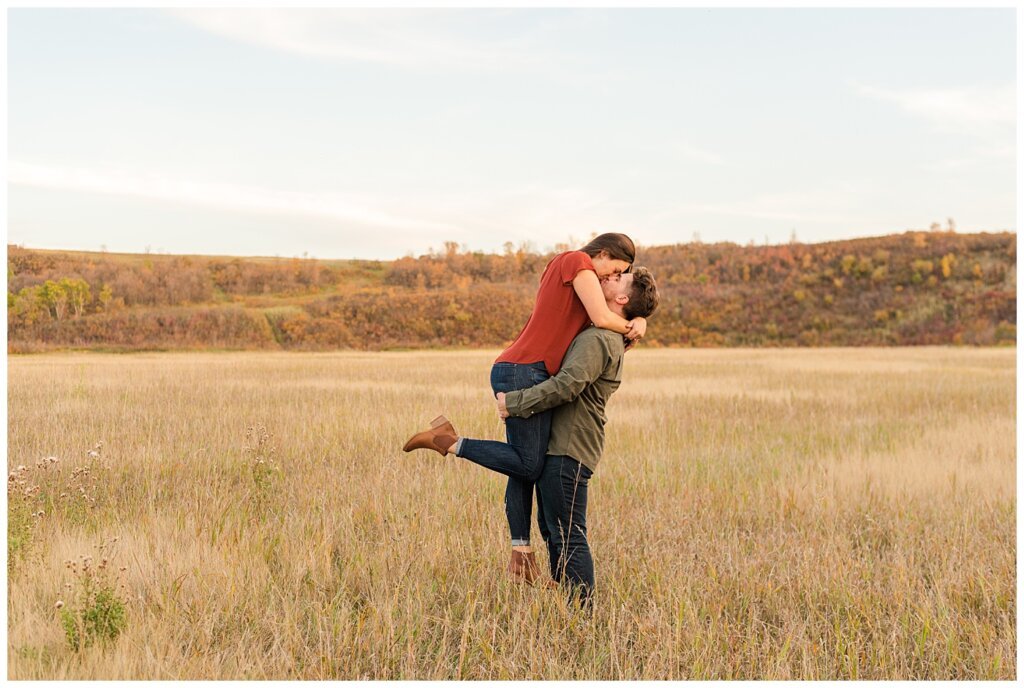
x: 557, y: 317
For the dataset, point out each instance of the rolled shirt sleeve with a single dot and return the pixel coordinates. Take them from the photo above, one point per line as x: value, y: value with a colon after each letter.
x: 584, y: 363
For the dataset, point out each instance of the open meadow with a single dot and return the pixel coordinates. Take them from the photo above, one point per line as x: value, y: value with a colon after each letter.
x: 796, y: 513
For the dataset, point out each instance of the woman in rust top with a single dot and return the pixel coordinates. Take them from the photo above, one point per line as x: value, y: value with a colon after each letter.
x: 568, y: 301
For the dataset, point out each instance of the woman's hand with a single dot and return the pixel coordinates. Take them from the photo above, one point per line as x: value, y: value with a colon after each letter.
x: 502, y: 411
x: 637, y: 329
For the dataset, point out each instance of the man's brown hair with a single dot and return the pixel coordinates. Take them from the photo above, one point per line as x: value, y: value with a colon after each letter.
x: 643, y: 295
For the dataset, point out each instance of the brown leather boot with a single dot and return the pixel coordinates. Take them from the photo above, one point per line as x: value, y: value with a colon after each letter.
x: 523, y: 568
x: 439, y: 437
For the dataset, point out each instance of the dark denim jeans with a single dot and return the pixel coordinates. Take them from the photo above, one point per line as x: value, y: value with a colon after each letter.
x: 522, y: 457
x: 562, y: 500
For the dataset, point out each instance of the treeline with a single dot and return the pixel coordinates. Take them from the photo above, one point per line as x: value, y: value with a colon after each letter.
x: 908, y: 289
x: 912, y: 288
x: 163, y: 280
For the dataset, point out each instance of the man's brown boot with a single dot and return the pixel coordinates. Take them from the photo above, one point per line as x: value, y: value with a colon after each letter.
x: 439, y: 437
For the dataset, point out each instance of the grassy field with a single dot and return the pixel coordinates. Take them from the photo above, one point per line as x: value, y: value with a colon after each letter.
x: 829, y: 513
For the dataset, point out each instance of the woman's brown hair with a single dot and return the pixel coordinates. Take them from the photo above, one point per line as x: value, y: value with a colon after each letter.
x: 617, y: 246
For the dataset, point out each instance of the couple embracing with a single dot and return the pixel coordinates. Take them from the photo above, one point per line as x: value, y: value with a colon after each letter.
x: 551, y: 386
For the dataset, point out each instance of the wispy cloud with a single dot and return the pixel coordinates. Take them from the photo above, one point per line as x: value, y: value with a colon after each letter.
x: 469, y: 40
x: 975, y: 156
x: 531, y: 210
x: 232, y: 197
x: 689, y: 151
x: 805, y: 207
x: 979, y: 111
x: 515, y: 214
x: 758, y: 213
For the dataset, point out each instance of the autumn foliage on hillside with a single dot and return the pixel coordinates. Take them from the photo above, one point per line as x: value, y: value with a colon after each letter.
x: 912, y: 288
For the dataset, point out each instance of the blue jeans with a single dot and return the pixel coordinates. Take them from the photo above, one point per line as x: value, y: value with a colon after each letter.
x: 562, y: 491
x: 521, y: 458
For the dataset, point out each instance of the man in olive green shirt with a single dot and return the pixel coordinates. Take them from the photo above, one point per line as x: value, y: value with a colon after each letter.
x: 591, y: 371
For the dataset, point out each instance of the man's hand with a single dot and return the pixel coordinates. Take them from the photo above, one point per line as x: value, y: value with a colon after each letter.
x: 502, y: 411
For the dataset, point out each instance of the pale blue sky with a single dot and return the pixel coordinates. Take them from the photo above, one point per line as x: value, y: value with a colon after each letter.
x: 373, y: 134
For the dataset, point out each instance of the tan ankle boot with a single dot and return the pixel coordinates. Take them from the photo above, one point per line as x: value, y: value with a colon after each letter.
x: 438, y: 437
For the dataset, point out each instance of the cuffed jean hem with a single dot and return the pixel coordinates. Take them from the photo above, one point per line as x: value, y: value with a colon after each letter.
x: 519, y: 542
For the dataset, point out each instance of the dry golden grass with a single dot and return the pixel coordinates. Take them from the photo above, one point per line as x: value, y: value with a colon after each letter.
x: 829, y: 513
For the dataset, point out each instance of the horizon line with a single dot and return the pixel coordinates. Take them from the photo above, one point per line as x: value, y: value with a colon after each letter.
x: 464, y: 249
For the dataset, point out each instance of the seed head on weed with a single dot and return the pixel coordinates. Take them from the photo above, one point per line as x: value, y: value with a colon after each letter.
x: 96, y: 613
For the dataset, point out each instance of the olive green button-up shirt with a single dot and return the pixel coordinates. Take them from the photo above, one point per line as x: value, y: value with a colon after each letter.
x: 590, y: 372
